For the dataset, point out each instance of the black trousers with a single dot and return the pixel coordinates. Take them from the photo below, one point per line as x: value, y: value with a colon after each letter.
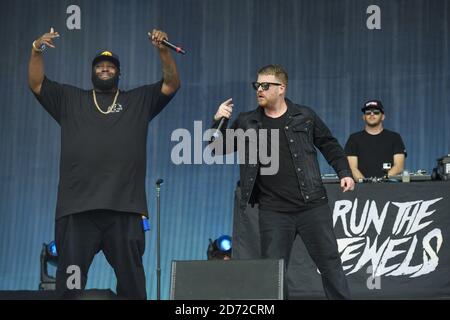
x: 315, y: 226
x: 120, y: 235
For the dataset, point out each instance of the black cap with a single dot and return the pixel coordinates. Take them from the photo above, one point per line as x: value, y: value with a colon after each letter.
x: 106, y: 56
x: 373, y: 104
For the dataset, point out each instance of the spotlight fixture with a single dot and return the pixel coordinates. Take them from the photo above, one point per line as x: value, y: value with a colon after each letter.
x: 219, y: 249
x: 49, y: 256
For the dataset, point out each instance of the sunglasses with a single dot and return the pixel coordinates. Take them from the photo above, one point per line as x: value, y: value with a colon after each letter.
x: 264, y: 85
x: 375, y: 112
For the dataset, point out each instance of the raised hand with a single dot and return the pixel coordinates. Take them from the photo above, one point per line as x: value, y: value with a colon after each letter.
x: 225, y: 110
x: 157, y: 36
x: 46, y: 39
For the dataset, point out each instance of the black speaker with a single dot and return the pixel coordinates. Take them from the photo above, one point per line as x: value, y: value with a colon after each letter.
x: 227, y: 280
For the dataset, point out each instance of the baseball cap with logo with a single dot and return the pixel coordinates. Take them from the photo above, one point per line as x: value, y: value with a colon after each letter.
x: 106, y: 56
x: 373, y: 104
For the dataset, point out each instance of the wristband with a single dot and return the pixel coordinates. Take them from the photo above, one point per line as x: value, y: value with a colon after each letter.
x: 40, y: 49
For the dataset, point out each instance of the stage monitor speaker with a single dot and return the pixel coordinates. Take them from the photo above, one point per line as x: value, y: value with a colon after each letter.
x: 227, y: 280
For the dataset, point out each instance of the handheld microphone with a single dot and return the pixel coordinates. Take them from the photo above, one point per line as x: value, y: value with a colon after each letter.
x: 159, y: 182
x: 170, y: 45
x: 216, y: 134
x: 173, y: 47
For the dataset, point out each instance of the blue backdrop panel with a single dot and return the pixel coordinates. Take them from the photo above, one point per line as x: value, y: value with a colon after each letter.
x: 334, y: 62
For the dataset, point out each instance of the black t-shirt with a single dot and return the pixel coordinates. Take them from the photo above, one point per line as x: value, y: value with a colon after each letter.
x: 103, y: 156
x: 280, y: 192
x: 374, y: 150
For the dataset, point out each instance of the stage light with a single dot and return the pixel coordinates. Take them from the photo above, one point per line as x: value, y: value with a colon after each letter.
x: 52, y: 252
x: 220, y: 249
x: 224, y: 243
x: 49, y: 255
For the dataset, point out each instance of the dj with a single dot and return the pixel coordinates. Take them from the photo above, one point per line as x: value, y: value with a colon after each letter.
x: 375, y: 151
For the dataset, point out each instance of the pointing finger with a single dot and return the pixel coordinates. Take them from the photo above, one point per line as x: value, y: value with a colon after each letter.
x: 228, y: 102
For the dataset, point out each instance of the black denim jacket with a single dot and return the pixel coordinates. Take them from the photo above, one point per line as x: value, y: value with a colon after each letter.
x: 304, y: 130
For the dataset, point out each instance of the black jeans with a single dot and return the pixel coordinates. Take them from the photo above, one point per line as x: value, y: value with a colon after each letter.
x: 120, y: 235
x: 315, y: 226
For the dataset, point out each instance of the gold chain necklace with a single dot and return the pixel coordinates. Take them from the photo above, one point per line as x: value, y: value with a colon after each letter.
x: 110, y: 108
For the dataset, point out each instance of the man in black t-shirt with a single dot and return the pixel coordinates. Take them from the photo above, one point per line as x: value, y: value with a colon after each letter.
x: 292, y: 200
x: 375, y: 152
x: 101, y: 193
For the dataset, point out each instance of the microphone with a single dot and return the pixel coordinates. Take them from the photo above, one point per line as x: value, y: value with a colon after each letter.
x: 173, y: 47
x: 216, y: 134
x: 159, y: 182
x: 170, y: 45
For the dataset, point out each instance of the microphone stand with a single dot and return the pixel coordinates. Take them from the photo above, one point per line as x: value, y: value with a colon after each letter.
x: 158, y: 239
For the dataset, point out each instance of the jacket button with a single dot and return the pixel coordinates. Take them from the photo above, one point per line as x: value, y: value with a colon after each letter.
x: 291, y: 140
x: 299, y: 170
x: 247, y: 195
x: 287, y: 128
x: 303, y: 184
x: 251, y: 179
x: 307, y: 197
x: 295, y: 155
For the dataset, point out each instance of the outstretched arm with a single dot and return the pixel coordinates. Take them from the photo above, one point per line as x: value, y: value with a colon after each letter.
x: 171, y: 80
x: 36, y: 64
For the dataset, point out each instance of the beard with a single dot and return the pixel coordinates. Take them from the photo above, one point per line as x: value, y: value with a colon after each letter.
x: 262, y: 102
x: 105, y: 85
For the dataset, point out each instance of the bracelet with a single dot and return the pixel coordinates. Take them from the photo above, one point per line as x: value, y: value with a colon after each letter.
x: 41, y: 49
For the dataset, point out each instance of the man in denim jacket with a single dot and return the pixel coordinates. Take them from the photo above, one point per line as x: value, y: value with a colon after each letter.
x: 291, y: 200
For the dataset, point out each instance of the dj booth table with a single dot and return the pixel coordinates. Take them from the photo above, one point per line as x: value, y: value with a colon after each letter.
x: 392, y: 237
